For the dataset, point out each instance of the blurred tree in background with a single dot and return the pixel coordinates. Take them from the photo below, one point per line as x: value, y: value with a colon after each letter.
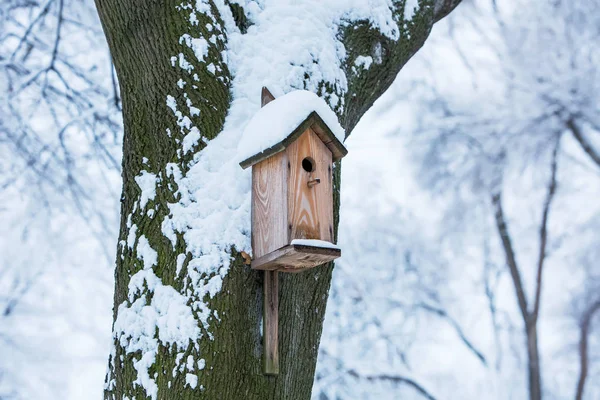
x: 60, y: 145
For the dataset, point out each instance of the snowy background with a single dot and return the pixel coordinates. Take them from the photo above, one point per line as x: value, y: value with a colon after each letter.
x: 422, y: 304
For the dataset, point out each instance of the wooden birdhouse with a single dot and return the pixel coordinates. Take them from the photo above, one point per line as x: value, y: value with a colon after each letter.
x: 292, y: 189
x: 291, y: 150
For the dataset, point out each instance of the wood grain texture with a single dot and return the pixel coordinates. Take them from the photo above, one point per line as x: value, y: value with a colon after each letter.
x: 271, y: 322
x: 276, y: 193
x: 310, y: 209
x: 295, y: 258
x: 269, y: 205
x: 266, y: 96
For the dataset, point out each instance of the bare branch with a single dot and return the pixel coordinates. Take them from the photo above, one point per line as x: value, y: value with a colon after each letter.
x: 544, y: 230
x: 443, y: 314
x: 18, y: 296
x: 509, y: 252
x: 584, y: 330
x: 583, y: 142
x: 396, y: 379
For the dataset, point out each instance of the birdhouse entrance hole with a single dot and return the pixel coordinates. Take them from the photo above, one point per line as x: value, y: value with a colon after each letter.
x: 308, y: 164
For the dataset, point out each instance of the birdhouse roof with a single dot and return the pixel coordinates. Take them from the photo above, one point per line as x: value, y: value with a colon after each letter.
x: 282, y: 121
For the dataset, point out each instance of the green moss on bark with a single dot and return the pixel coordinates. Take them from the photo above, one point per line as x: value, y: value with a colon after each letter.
x: 389, y: 56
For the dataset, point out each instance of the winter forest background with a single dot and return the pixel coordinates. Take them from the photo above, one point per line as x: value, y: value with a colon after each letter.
x: 474, y: 181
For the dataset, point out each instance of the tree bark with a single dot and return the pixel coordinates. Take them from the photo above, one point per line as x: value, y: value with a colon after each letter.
x: 142, y: 36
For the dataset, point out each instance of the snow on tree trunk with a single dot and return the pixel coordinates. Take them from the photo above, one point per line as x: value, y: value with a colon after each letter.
x: 187, y: 310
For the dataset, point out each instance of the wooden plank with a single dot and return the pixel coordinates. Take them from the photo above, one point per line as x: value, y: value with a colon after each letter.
x: 326, y: 135
x: 295, y: 258
x: 269, y: 232
x: 266, y: 97
x: 324, y: 190
x: 271, y: 322
x: 269, y: 205
x: 310, y: 209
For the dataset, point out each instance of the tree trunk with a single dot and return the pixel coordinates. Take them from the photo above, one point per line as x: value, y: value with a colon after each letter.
x: 225, y: 359
x: 584, y: 331
x: 533, y: 362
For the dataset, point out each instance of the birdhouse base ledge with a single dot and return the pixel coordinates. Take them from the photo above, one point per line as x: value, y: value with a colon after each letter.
x: 296, y: 258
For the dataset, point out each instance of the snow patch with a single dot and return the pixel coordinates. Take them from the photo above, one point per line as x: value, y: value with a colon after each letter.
x: 315, y: 243
x: 131, y: 236
x: 136, y: 324
x: 190, y: 140
x: 378, y: 53
x: 184, y: 64
x: 275, y: 121
x: 180, y: 261
x: 363, y: 61
x: 193, y: 135
x: 147, y: 183
x: 192, y: 380
x: 146, y: 253
x: 410, y: 7
x: 198, y: 45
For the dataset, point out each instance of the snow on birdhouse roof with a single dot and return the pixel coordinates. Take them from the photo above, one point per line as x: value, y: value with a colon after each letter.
x: 279, y: 123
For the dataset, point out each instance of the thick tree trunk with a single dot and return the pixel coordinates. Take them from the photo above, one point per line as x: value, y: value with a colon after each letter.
x: 143, y: 37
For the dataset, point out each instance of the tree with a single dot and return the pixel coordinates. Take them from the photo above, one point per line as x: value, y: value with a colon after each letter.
x: 187, y: 308
x: 530, y: 314
x: 390, y: 316
x: 58, y: 120
x: 524, y: 116
x: 586, y: 309
x: 60, y: 137
x: 585, y: 329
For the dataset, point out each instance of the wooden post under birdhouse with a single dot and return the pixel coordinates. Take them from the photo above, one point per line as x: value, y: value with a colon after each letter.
x: 292, y: 207
x: 271, y: 299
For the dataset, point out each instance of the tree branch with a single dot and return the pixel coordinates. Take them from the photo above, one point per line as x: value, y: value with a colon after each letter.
x: 510, y: 254
x: 583, y: 142
x: 443, y: 314
x: 544, y: 230
x: 396, y: 379
x: 444, y: 7
x: 583, y: 348
x: 389, y: 55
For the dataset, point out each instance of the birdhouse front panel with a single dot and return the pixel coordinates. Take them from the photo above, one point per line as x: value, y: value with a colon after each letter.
x: 269, y: 204
x: 310, y: 200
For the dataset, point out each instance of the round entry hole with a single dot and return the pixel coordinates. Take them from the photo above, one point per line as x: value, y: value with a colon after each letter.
x: 308, y: 164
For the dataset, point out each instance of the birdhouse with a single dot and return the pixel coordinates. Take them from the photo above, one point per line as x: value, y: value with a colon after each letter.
x: 291, y: 145
x: 292, y: 182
